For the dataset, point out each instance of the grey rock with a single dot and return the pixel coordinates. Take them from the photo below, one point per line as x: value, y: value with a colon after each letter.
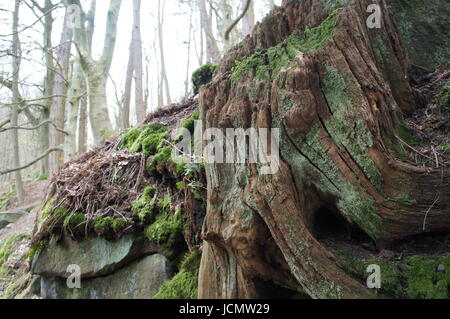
x: 10, y: 217
x: 441, y: 268
x: 139, y: 280
x: 95, y: 256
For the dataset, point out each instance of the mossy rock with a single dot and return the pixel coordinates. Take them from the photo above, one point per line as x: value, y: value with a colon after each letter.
x: 202, y: 76
x: 185, y: 284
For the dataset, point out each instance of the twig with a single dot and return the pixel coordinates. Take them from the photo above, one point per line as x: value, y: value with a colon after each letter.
x: 429, y: 209
x: 412, y: 148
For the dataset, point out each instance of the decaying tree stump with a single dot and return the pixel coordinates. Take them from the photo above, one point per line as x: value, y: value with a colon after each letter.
x: 338, y: 90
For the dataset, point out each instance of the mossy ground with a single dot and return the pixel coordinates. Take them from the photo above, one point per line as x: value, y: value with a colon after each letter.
x: 414, y: 277
x: 185, y: 284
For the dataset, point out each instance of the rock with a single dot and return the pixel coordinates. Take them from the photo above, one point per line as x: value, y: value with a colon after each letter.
x: 140, y: 280
x: 441, y: 268
x: 95, y: 256
x: 10, y: 217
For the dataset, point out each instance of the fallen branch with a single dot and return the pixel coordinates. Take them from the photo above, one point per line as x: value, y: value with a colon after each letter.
x: 47, y: 153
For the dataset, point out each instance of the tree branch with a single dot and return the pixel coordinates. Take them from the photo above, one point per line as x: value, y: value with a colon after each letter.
x: 48, y: 122
x: 47, y: 153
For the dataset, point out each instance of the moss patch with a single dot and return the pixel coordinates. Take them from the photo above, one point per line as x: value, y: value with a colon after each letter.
x: 148, y: 141
x: 144, y: 206
x: 261, y: 63
x: 185, y: 284
x: 6, y: 249
x: 166, y: 230
x: 415, y: 277
x: 202, y: 76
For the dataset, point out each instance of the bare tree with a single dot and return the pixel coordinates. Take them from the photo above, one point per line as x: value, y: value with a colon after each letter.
x: 97, y: 70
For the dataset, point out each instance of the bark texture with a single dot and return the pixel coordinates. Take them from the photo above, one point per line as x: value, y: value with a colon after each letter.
x: 337, y: 90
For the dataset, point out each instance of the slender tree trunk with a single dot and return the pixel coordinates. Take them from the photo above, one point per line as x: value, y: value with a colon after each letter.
x: 74, y: 98
x: 138, y: 64
x: 161, y: 50
x: 83, y: 120
x: 48, y: 86
x: 58, y: 109
x: 188, y: 64
x: 16, y: 61
x: 125, y: 109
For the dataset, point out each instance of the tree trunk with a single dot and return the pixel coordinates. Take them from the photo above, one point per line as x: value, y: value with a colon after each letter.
x: 58, y: 108
x: 164, y: 78
x: 125, y: 110
x: 44, y: 132
x: 83, y: 121
x: 73, y: 103
x: 138, y: 64
x: 337, y: 98
x: 212, y: 48
x: 97, y: 71
x: 16, y: 61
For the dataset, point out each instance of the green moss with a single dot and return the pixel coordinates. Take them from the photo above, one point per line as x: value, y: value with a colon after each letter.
x: 346, y: 127
x: 331, y: 5
x: 103, y: 225
x: 165, y: 203
x: 184, y: 284
x: 202, y: 76
x: 312, y: 165
x: 254, y: 62
x: 17, y: 287
x: 189, y: 123
x: 262, y: 63
x: 119, y: 224
x: 406, y: 134
x: 129, y: 138
x: 404, y: 199
x: 5, y: 199
x: 379, y: 50
x: 423, y: 280
x: 166, y: 230
x: 74, y: 221
x: 147, y: 141
x: 6, y: 249
x: 445, y: 99
x: 162, y: 161
x: 414, y: 277
x: 143, y: 207
x: 37, y: 249
x: 180, y: 186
